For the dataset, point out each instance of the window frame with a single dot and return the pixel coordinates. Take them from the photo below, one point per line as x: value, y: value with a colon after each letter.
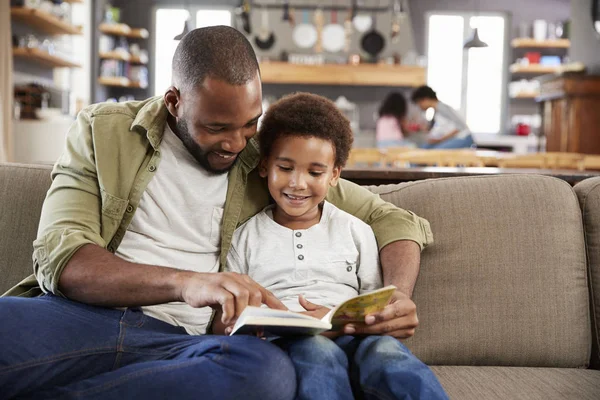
x: 192, y: 10
x: 507, y: 56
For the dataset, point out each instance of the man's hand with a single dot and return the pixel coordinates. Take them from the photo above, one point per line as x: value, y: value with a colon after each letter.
x: 229, y: 291
x: 398, y: 319
x: 434, y: 141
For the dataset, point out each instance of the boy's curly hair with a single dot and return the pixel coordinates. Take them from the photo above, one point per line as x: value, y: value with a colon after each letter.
x: 308, y: 115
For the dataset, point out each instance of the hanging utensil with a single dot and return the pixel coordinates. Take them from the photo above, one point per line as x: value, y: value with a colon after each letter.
x: 333, y: 34
x: 395, y: 29
x: 305, y: 34
x: 245, y: 16
x: 348, y: 27
x: 265, y: 38
x: 373, y: 42
x: 319, y: 22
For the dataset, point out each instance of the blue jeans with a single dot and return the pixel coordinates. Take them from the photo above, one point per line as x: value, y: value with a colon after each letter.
x: 452, y: 143
x: 373, y: 367
x: 53, y: 348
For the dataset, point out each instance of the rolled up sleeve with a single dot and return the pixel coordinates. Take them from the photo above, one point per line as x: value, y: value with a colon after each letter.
x: 71, y: 214
x: 389, y: 223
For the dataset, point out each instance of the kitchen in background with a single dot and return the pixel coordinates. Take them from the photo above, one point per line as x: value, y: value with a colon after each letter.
x: 353, y: 52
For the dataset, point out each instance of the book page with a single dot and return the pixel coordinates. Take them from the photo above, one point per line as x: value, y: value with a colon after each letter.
x: 357, y: 308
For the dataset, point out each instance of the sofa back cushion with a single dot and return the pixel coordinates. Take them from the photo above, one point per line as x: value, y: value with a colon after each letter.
x: 505, y: 281
x: 588, y: 193
x: 22, y: 192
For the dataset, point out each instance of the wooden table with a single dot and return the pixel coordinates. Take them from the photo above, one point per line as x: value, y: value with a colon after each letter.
x: 390, y: 175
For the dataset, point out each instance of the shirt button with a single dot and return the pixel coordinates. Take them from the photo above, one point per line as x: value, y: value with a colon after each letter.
x: 298, y: 234
x: 300, y: 257
x: 349, y: 268
x: 129, y: 209
x: 157, y: 153
x: 299, y: 246
x: 152, y: 168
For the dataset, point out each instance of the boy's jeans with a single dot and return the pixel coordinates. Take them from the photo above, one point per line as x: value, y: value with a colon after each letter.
x: 53, y: 348
x: 374, y: 367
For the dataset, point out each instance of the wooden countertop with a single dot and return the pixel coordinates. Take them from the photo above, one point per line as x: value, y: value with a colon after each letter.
x: 390, y: 175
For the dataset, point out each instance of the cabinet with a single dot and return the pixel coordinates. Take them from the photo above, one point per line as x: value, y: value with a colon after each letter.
x: 571, y: 120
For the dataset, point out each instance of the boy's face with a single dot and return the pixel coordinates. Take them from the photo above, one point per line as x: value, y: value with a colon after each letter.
x: 299, y: 172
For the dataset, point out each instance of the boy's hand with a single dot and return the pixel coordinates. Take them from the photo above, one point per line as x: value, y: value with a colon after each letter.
x: 314, y: 310
x: 398, y: 319
x: 317, y: 311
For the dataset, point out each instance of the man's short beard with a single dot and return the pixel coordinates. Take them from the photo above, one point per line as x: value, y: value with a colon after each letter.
x: 194, y: 148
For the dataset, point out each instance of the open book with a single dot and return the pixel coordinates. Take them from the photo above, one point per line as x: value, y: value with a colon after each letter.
x: 270, y: 322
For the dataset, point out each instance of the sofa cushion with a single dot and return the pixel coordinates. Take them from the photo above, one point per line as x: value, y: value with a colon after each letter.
x: 22, y: 192
x: 501, y: 383
x: 505, y: 282
x: 588, y: 193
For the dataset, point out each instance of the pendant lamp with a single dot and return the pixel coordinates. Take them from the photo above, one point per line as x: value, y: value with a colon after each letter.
x: 186, y: 29
x: 475, y: 42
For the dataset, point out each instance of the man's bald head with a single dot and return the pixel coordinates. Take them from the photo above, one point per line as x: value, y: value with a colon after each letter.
x: 219, y: 52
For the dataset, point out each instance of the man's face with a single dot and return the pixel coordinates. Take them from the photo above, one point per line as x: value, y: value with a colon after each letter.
x: 215, y: 120
x: 299, y: 172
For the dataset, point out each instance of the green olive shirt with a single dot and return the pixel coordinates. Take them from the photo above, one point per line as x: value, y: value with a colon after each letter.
x: 112, y: 152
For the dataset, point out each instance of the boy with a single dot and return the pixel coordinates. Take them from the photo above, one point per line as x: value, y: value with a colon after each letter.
x: 312, y: 256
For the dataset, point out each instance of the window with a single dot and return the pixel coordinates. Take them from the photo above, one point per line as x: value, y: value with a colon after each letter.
x: 482, y: 97
x: 170, y: 23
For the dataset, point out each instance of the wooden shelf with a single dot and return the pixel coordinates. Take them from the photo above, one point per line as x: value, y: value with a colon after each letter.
x: 532, y: 43
x: 123, y: 30
x: 525, y: 96
x: 122, y: 56
x: 343, y: 74
x: 43, y: 58
x: 120, y: 82
x: 534, y: 69
x: 74, y: 1
x: 47, y: 23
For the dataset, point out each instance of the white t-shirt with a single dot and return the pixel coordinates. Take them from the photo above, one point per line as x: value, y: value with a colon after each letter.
x: 328, y: 263
x: 178, y: 224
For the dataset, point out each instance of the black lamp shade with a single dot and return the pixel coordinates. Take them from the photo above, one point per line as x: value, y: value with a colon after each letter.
x: 475, y: 42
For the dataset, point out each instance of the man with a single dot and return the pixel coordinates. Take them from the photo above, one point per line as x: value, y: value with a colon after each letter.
x: 135, y: 229
x: 449, y: 131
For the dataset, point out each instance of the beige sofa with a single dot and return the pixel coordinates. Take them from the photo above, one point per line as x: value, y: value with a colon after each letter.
x: 505, y: 295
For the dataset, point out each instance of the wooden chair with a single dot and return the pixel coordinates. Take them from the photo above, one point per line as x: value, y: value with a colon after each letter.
x: 440, y: 158
x: 590, y: 162
x: 365, y: 157
x: 551, y: 160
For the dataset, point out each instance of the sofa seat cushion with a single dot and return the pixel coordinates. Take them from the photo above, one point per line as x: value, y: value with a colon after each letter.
x: 487, y: 383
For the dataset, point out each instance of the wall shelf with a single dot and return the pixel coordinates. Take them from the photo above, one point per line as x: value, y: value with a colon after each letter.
x: 534, y: 69
x: 74, y: 1
x: 43, y: 57
x: 343, y: 74
x: 525, y: 96
x: 47, y: 23
x: 123, y: 30
x: 532, y: 43
x: 122, y: 56
x: 119, y: 82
